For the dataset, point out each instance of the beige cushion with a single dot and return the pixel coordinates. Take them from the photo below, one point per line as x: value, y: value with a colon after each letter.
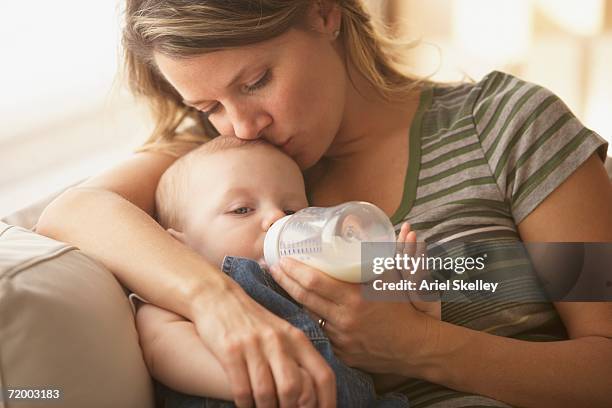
x: 66, y: 324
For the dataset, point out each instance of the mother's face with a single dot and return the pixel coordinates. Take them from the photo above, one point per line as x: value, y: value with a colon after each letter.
x: 289, y: 90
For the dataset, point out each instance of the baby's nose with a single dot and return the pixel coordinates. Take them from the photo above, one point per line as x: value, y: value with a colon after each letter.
x: 272, y: 217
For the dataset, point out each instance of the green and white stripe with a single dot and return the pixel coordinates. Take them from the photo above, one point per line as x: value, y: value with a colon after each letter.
x: 483, y: 156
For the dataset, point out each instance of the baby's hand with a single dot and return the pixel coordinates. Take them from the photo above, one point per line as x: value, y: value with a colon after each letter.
x: 407, y: 244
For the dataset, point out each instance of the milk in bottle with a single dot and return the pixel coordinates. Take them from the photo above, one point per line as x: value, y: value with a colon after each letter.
x: 329, y: 239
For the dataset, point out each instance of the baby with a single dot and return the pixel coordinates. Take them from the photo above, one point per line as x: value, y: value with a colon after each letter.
x: 220, y: 200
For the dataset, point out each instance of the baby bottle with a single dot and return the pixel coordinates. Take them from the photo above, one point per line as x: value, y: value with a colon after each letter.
x: 329, y: 239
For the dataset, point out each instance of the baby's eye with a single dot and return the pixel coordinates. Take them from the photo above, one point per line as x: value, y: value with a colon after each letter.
x: 242, y: 210
x: 289, y: 212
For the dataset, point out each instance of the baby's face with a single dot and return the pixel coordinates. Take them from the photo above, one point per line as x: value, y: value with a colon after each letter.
x: 236, y: 196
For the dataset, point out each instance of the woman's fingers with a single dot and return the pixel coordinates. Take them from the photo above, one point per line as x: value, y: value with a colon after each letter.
x: 406, y: 241
x: 425, y: 301
x: 323, y: 377
x: 287, y: 373
x: 312, y: 279
x: 292, y: 389
x: 308, y: 286
x: 259, y: 353
x: 308, y: 398
x: 262, y: 382
x: 238, y: 375
x: 283, y: 383
x: 404, y: 230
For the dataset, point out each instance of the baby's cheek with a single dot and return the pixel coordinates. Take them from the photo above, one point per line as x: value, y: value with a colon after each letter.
x: 247, y: 248
x: 256, y: 253
x: 212, y: 254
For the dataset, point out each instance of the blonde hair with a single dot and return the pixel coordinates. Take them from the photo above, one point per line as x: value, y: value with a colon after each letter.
x: 175, y: 183
x: 180, y: 29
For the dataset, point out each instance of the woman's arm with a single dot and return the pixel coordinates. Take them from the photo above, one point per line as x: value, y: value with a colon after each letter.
x: 384, y: 337
x: 109, y: 217
x: 530, y: 374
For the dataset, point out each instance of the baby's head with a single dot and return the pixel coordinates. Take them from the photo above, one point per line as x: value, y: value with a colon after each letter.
x: 221, y: 198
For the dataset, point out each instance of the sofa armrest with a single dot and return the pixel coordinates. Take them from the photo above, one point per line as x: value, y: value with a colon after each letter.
x: 66, y: 324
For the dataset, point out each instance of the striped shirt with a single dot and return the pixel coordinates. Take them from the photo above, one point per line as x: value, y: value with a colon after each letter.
x: 483, y: 156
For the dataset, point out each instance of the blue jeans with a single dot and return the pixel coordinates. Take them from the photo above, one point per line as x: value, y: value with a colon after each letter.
x: 354, y: 388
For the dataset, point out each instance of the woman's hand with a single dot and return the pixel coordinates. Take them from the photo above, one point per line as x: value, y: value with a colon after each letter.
x: 376, y: 336
x: 268, y: 361
x: 427, y: 302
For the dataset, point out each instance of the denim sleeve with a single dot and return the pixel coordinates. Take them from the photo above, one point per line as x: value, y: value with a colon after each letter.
x: 259, y: 285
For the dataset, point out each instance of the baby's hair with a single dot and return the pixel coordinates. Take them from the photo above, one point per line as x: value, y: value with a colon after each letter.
x: 170, y: 193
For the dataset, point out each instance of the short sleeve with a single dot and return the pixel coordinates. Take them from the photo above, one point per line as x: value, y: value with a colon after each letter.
x: 531, y: 140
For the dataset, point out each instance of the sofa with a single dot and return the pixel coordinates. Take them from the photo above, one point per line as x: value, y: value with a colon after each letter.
x: 67, y: 332
x: 66, y: 323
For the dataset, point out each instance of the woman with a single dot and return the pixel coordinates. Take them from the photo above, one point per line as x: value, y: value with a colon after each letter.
x: 499, y: 158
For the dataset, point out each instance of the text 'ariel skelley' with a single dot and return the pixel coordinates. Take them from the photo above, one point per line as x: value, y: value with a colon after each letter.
x: 404, y: 284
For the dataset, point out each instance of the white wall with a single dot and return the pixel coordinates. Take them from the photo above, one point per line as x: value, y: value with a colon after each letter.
x: 62, y: 116
x: 564, y: 45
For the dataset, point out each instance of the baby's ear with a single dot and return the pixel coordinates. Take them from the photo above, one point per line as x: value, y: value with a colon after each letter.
x: 178, y: 235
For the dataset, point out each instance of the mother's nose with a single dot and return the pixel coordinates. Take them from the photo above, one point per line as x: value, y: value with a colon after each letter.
x: 250, y: 125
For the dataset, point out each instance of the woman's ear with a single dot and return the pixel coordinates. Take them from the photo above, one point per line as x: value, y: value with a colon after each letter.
x: 178, y: 235
x: 325, y: 17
